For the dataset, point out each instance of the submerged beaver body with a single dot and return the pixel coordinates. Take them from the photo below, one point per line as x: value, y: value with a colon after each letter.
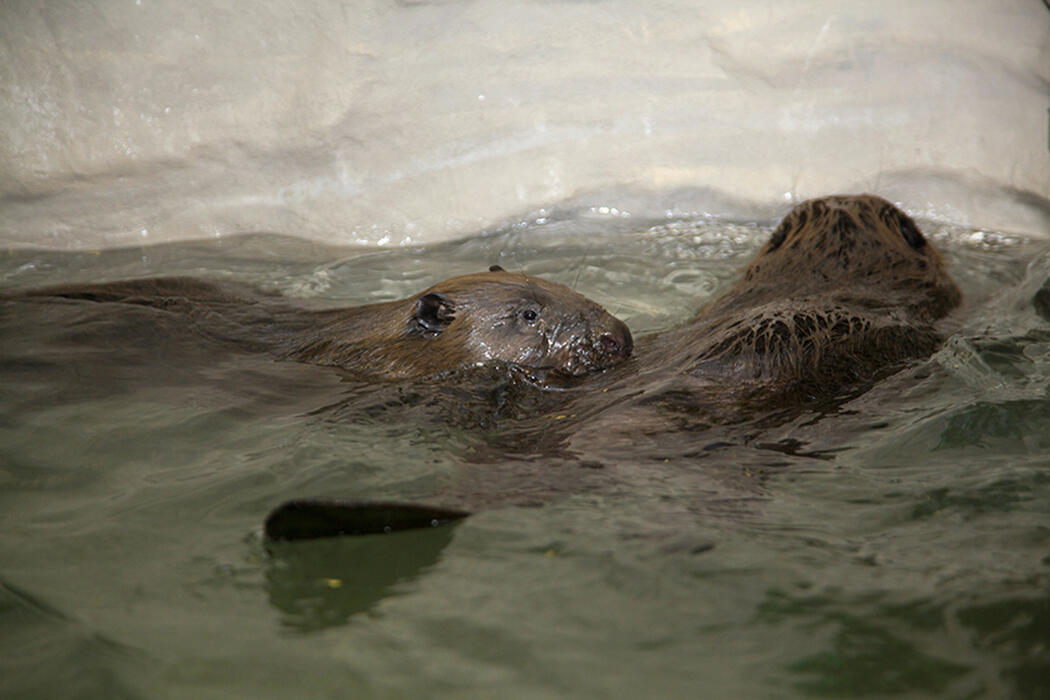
x: 492, y: 316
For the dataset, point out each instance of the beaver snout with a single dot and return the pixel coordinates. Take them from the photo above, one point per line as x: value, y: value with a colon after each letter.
x: 605, y: 343
x: 618, y: 341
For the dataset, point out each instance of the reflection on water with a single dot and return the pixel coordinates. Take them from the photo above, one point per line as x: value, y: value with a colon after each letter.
x: 45, y: 648
x: 864, y: 653
x: 323, y: 583
x: 893, y: 543
x: 1014, y: 628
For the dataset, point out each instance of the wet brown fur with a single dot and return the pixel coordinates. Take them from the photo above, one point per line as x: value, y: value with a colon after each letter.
x: 481, y: 317
x: 489, y: 316
x: 846, y: 287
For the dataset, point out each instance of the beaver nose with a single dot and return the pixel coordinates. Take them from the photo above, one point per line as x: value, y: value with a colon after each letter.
x: 618, y: 341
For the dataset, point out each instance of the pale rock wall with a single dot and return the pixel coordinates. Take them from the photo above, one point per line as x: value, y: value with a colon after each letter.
x: 383, y: 122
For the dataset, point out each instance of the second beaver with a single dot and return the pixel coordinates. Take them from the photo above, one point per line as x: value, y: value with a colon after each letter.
x: 490, y: 316
x: 846, y: 288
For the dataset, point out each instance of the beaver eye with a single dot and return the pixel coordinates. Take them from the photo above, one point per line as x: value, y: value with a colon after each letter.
x: 530, y: 315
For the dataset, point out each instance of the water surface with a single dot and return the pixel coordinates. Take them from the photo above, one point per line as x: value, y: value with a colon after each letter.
x: 892, y: 546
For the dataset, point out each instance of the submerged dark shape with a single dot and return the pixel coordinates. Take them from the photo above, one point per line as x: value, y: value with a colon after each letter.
x: 314, y: 518
x: 491, y: 316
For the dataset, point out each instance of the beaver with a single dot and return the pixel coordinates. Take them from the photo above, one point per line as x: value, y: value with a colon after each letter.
x: 493, y: 316
x: 845, y: 290
x: 496, y: 315
x: 846, y: 286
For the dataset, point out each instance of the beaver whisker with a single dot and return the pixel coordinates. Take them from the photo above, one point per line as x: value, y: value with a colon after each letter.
x: 579, y: 267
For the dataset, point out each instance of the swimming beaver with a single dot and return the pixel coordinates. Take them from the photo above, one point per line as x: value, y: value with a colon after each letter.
x: 846, y: 286
x: 846, y: 289
x: 490, y: 316
x: 495, y: 315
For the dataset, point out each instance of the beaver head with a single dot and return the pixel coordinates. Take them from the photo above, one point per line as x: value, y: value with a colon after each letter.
x: 523, y: 320
x: 853, y: 249
x: 846, y: 288
x: 490, y: 316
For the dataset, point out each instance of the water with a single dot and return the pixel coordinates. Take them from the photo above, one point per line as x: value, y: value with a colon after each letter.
x: 894, y: 546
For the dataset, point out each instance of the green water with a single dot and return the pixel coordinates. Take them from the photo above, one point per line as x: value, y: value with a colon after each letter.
x: 897, y: 546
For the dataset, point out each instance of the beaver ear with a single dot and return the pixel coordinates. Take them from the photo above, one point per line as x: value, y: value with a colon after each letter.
x: 778, y: 236
x: 496, y: 268
x: 434, y: 312
x: 910, y: 231
x: 893, y: 217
